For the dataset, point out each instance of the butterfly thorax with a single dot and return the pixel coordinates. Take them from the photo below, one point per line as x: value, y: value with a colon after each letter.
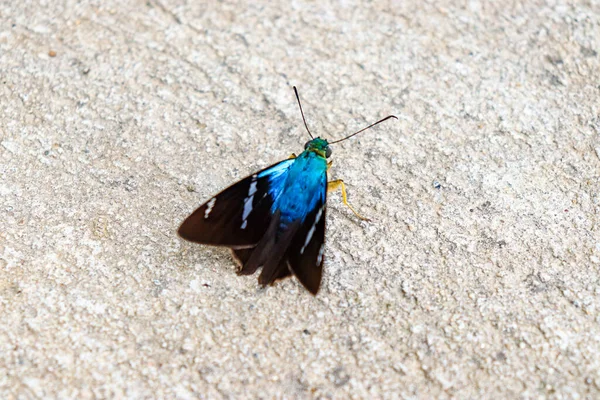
x: 305, y: 185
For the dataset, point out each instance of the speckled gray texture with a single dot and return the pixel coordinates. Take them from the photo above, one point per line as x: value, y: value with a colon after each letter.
x: 478, y: 277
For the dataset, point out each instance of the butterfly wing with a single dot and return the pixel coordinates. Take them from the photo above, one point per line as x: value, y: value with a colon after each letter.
x: 293, y: 242
x: 239, y: 216
x: 305, y: 254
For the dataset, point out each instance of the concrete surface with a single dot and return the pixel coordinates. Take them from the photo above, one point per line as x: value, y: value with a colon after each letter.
x: 478, y: 277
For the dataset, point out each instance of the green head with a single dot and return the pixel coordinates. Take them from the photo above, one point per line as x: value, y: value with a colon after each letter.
x: 319, y: 146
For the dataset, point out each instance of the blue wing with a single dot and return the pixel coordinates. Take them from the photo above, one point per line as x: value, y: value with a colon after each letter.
x: 274, y: 219
x: 293, y: 243
x: 239, y: 216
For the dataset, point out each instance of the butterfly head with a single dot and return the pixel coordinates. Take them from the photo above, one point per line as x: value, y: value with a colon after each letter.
x: 319, y: 146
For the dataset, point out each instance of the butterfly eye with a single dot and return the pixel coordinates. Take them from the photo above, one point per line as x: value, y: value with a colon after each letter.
x: 327, y: 152
x: 306, y: 144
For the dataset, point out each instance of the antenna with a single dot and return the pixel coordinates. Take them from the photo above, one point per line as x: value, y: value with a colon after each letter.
x: 302, y: 112
x: 364, y: 129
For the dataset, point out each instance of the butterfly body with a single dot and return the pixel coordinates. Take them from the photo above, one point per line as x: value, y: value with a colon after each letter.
x: 273, y: 219
x: 304, y: 187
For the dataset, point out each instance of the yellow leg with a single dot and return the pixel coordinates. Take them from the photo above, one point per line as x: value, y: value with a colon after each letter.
x: 338, y: 183
x: 292, y: 156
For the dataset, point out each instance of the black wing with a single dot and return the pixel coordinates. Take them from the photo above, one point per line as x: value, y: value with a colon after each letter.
x: 305, y: 254
x: 239, y: 216
x: 281, y: 272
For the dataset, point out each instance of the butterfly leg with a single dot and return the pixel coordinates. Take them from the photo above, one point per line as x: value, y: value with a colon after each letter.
x: 338, y: 183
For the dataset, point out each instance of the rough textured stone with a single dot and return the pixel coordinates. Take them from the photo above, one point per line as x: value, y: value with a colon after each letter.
x: 478, y: 277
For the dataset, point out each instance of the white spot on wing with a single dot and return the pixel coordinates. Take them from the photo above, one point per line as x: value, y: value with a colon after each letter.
x: 247, y: 208
x: 311, y: 232
x: 320, y: 257
x: 252, y: 189
x: 248, y: 201
x: 209, y: 207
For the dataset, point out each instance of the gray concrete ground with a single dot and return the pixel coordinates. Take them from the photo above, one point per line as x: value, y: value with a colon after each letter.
x: 477, y: 278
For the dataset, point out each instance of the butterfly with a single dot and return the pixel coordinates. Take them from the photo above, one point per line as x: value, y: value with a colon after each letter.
x: 274, y: 218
